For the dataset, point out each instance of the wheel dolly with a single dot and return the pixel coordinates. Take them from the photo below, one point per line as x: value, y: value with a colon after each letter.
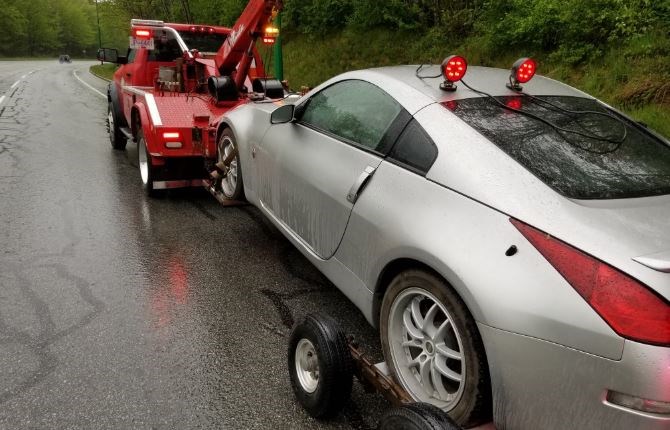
x: 322, y: 362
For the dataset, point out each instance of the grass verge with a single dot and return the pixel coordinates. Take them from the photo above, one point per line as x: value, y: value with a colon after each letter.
x: 104, y: 71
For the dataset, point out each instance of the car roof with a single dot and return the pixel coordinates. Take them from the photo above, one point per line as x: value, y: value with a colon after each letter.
x: 487, y: 79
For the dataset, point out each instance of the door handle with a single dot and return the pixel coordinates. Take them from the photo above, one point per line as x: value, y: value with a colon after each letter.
x: 360, y: 184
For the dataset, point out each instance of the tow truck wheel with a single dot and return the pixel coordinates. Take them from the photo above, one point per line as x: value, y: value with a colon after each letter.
x: 231, y: 185
x: 320, y: 366
x: 433, y: 347
x: 417, y: 416
x: 147, y: 171
x: 116, y: 138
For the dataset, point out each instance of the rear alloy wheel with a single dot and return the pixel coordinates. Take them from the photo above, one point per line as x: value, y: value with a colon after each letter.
x: 147, y: 170
x: 231, y: 185
x: 116, y: 137
x: 433, y: 347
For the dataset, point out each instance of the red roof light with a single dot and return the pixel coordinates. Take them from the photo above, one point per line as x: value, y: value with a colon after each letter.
x: 524, y: 69
x: 454, y: 68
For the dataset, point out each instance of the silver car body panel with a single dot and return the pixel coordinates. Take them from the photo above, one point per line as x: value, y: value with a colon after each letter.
x: 250, y: 123
x: 551, y: 357
x: 531, y: 298
x: 542, y: 385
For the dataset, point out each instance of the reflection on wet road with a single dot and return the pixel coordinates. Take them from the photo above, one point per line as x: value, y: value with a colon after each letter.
x: 118, y: 311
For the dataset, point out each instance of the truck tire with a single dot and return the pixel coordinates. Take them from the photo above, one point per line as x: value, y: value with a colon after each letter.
x: 416, y: 416
x: 320, y: 366
x: 231, y: 185
x: 116, y: 137
x: 433, y: 347
x: 147, y: 170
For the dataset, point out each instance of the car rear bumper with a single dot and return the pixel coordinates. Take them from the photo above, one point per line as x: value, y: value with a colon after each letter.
x: 542, y: 385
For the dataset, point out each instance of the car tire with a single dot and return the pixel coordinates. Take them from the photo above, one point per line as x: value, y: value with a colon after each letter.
x: 147, y: 170
x: 320, y: 366
x: 232, y: 185
x: 433, y: 347
x: 116, y: 137
x: 417, y: 416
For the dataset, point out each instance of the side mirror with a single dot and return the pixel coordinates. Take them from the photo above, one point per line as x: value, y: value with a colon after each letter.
x: 110, y: 55
x: 282, y: 115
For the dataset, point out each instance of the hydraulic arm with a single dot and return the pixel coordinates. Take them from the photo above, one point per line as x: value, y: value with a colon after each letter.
x: 235, y: 56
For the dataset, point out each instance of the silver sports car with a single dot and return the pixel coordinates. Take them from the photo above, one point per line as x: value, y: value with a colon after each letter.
x: 508, y: 236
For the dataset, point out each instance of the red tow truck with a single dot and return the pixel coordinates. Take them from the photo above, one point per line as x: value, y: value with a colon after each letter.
x: 174, y: 85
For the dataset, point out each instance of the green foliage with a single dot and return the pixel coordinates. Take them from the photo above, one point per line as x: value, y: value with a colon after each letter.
x: 15, y: 27
x: 573, y: 30
x: 47, y: 27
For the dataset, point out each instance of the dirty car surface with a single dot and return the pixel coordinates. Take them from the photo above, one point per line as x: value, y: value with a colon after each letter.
x: 515, y: 270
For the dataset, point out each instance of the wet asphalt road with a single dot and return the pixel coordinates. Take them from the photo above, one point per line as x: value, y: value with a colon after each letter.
x: 120, y: 311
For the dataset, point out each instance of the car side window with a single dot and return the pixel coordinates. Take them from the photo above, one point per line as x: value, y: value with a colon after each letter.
x: 356, y: 111
x: 131, y: 55
x: 414, y: 149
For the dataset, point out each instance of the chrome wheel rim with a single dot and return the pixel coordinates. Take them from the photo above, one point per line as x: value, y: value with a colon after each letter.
x: 307, y: 365
x: 143, y: 161
x: 229, y: 182
x: 426, y: 349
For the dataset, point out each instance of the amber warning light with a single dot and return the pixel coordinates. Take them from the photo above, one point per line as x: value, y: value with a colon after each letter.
x: 270, y: 35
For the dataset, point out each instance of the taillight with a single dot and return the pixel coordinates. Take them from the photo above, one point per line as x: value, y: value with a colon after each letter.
x: 628, y: 306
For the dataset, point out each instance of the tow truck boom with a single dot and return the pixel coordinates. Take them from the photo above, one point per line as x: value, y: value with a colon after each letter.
x: 234, y: 57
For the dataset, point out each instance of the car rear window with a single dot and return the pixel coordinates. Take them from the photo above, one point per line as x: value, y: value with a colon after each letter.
x: 210, y: 42
x: 577, y: 166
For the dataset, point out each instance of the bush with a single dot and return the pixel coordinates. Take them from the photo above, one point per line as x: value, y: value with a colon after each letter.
x: 574, y: 29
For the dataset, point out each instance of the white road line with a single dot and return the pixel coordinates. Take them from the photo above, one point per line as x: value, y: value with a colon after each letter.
x: 74, y: 73
x: 24, y: 76
x: 15, y: 84
x: 2, y: 99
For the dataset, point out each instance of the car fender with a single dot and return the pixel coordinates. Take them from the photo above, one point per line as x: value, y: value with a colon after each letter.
x: 249, y: 122
x: 140, y: 118
x: 114, y: 97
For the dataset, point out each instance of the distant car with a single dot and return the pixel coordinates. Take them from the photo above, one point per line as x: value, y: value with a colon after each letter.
x: 509, y: 237
x: 64, y: 58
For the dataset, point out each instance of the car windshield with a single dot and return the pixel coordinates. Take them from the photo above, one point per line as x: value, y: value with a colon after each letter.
x: 203, y: 42
x: 594, y: 154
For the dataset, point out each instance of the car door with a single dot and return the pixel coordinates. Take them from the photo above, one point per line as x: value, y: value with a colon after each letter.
x: 316, y: 167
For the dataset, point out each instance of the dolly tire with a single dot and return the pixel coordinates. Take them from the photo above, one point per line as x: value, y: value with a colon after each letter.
x: 320, y: 366
x: 417, y: 416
